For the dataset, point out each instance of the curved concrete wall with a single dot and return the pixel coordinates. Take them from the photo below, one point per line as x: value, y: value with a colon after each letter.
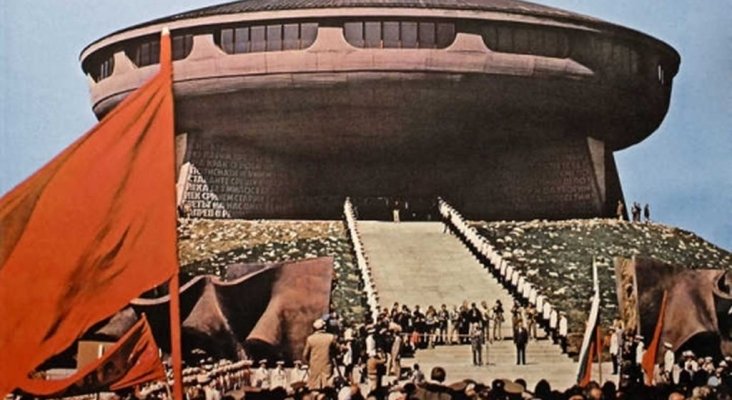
x: 630, y: 106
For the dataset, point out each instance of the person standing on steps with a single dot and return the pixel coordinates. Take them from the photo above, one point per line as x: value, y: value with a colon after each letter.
x: 531, y: 321
x: 497, y: 320
x: 475, y: 316
x: 615, y: 346
x: 476, y: 343
x: 394, y: 365
x: 454, y: 334
x: 516, y: 316
x: 463, y: 324
x: 520, y: 340
x: 487, y: 317
x: 443, y: 318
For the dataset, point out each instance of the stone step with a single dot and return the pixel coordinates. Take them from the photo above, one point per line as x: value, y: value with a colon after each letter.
x: 415, y: 263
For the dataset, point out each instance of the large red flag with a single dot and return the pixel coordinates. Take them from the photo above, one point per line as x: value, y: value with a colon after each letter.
x: 132, y: 360
x: 90, y: 231
x: 649, y: 357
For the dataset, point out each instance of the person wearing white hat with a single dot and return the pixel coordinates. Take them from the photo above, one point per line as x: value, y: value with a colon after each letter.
x: 245, y: 374
x: 295, y: 374
x: 261, y: 377
x: 690, y: 363
x: 279, y: 376
x: 639, y: 350
x: 669, y: 359
x: 210, y: 391
x: 320, y: 350
x: 300, y: 373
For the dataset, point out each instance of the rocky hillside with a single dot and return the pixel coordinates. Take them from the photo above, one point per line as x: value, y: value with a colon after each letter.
x: 556, y: 256
x: 208, y: 246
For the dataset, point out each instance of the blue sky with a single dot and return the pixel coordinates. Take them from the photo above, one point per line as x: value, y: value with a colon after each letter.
x: 684, y: 170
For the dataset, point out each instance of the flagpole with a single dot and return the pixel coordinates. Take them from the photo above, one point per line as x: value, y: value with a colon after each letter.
x: 596, y: 285
x: 166, y: 64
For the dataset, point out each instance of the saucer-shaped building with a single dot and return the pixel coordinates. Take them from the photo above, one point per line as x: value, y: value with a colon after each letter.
x: 507, y: 109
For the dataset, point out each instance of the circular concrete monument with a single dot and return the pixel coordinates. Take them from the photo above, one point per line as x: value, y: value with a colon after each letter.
x: 508, y: 109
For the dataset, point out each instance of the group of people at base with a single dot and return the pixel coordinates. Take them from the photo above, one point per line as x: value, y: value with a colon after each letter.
x: 463, y: 324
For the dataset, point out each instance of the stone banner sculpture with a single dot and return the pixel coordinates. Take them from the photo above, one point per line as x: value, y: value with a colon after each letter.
x: 259, y: 311
x: 698, y: 308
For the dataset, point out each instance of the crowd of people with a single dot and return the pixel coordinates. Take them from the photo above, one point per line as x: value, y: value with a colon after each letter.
x: 462, y: 324
x: 365, y: 355
x: 365, y: 362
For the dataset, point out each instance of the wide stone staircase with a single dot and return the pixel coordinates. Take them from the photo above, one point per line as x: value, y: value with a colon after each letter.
x: 416, y: 263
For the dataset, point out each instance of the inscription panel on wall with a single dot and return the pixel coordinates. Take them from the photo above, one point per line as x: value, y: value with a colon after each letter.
x: 548, y: 180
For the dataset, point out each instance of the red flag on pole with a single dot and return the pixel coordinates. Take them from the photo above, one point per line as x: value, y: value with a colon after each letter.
x: 649, y: 357
x: 591, y: 337
x: 132, y: 360
x: 89, y: 231
x: 590, y: 345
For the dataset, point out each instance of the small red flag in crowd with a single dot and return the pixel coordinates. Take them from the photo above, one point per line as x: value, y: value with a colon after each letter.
x: 649, y: 357
x: 132, y: 360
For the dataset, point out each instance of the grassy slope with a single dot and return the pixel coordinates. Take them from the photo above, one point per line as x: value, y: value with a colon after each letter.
x: 556, y: 256
x: 207, y: 246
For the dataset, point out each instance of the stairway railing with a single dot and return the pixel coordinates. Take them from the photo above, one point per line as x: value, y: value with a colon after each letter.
x: 504, y: 271
x: 372, y: 297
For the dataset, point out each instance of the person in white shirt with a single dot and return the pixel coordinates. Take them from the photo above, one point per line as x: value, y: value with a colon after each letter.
x: 563, y: 331
x: 278, y: 377
x: 261, y: 377
x: 615, y: 354
x: 210, y: 391
x: 690, y: 363
x: 303, y: 373
x: 669, y: 358
x: 370, y: 342
x: 297, y: 374
x: 639, y: 350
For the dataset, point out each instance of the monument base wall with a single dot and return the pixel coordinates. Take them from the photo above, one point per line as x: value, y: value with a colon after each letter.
x: 575, y: 177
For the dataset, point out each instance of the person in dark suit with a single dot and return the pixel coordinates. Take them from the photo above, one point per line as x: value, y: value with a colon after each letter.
x: 476, y: 343
x: 520, y: 339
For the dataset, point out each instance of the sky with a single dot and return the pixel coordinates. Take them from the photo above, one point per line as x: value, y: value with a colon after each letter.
x: 683, y: 170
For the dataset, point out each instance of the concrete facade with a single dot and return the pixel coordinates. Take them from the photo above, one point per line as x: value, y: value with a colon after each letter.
x: 503, y: 129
